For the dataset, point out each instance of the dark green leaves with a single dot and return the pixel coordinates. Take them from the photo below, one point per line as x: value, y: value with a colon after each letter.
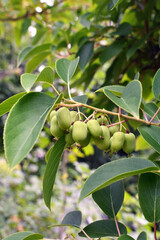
x: 54, y: 158
x: 85, y: 53
x: 152, y: 135
x: 103, y: 228
x: 110, y: 198
x: 142, y: 236
x: 113, y: 171
x: 125, y: 237
x: 156, y: 85
x: 149, y: 196
x: 6, y: 105
x: 24, y: 124
x: 73, y: 218
x: 66, y: 68
x: 130, y: 99
x: 18, y: 236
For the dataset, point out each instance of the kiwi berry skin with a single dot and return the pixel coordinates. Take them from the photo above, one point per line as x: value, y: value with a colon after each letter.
x: 79, y: 131
x: 117, y: 141
x: 94, y: 128
x: 55, y: 130
x: 104, y: 143
x: 63, y: 118
x: 52, y: 114
x: 113, y: 129
x: 68, y: 138
x: 129, y: 143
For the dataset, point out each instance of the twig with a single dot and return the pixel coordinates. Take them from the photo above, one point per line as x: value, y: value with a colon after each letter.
x: 155, y: 237
x: 85, y: 234
x: 154, y: 115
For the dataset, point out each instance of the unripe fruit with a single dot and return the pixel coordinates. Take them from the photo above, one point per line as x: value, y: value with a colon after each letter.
x: 63, y: 118
x: 52, y: 114
x: 129, y: 143
x: 94, y: 128
x: 74, y: 116
x: 79, y: 131
x: 102, y: 120
x: 103, y: 144
x: 68, y: 137
x: 86, y: 141
x: 117, y: 141
x: 55, y: 129
x: 113, y: 129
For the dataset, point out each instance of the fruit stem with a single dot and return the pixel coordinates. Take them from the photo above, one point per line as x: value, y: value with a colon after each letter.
x: 55, y: 89
x: 154, y: 115
x: 113, y: 124
x: 144, y: 114
x: 107, y: 112
x: 119, y: 118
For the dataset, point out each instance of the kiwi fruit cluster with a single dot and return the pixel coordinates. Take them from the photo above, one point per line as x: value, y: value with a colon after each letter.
x: 65, y: 122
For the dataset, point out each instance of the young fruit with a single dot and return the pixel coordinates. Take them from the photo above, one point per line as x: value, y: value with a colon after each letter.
x: 52, y: 114
x: 103, y: 144
x: 68, y: 137
x: 55, y: 129
x: 74, y: 116
x: 94, y: 128
x: 102, y: 120
x: 86, y: 141
x: 129, y: 143
x: 63, y: 118
x: 113, y: 129
x: 117, y: 141
x: 79, y: 131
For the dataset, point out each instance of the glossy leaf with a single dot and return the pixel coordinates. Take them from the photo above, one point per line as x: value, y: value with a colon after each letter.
x: 142, y: 236
x: 46, y: 75
x: 18, y: 236
x: 111, y: 51
x: 7, y: 104
x: 34, y: 62
x: 151, y: 108
x: 115, y: 89
x: 73, y: 218
x: 34, y: 236
x: 125, y: 237
x: 114, y: 171
x: 103, y: 228
x: 66, y: 68
x: 30, y: 52
x: 149, y: 196
x: 25, y: 122
x: 135, y: 47
x: 110, y: 198
x: 51, y: 170
x: 156, y: 85
x: 152, y: 135
x: 27, y: 81
x: 131, y: 98
x: 85, y: 53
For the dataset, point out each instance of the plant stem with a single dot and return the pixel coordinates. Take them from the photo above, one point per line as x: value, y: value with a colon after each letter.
x: 117, y: 226
x: 74, y: 103
x: 154, y: 115
x: 85, y: 234
x: 54, y: 89
x: 155, y: 237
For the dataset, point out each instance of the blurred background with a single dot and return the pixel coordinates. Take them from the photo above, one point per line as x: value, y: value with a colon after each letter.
x: 114, y: 46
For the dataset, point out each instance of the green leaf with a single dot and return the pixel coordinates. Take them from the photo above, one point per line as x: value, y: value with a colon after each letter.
x: 151, y: 108
x: 115, y: 89
x: 34, y: 62
x: 152, y: 135
x: 142, y: 236
x: 73, y: 218
x: 131, y: 98
x: 110, y: 198
x: 111, y: 51
x: 125, y: 237
x: 34, y: 236
x: 136, y: 77
x: 27, y: 80
x: 85, y: 53
x: 66, y: 68
x: 24, y: 124
x: 18, y: 236
x: 116, y: 3
x: 46, y: 75
x: 81, y: 99
x: 51, y: 169
x: 114, y: 171
x: 123, y: 29
x: 156, y: 85
x: 30, y: 52
x: 103, y: 228
x: 84, y: 20
x: 149, y: 196
x: 7, y: 104
x: 135, y: 47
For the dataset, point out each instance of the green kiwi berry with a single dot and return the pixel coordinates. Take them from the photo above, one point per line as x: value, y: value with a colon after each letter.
x: 63, y: 118
x: 55, y: 129
x: 117, y: 141
x: 52, y: 114
x: 74, y: 116
x: 85, y: 142
x: 129, y: 143
x: 79, y: 131
x: 102, y: 120
x: 113, y: 129
x: 68, y: 137
x: 94, y: 128
x: 103, y: 143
